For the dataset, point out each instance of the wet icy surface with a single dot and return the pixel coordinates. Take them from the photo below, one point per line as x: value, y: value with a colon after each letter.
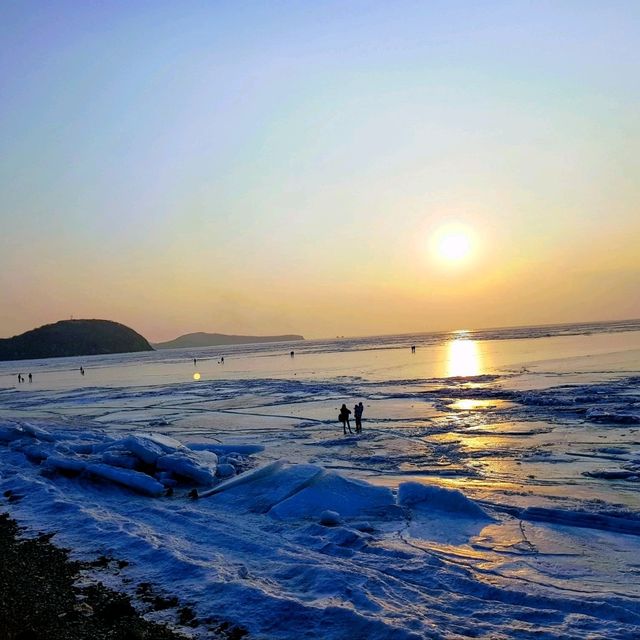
x: 541, y: 434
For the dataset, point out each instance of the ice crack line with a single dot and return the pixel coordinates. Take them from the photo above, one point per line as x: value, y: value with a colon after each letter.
x: 526, y: 540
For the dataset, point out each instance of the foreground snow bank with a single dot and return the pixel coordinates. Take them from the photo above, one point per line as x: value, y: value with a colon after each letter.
x: 302, y: 491
x: 452, y: 501
x: 293, y: 550
x: 148, y: 463
x: 152, y: 463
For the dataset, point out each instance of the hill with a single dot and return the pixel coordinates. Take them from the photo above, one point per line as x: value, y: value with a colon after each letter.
x: 73, y: 338
x: 191, y: 340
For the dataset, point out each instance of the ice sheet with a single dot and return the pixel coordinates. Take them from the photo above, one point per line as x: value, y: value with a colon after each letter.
x: 536, y: 533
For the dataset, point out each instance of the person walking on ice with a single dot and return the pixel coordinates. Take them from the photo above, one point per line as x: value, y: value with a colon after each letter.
x: 344, y: 418
x: 358, y: 410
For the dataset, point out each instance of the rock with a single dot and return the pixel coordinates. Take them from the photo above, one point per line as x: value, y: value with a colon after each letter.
x: 84, y: 609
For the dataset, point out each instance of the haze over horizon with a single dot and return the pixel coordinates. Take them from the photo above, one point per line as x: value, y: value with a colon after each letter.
x: 348, y: 336
x: 322, y: 169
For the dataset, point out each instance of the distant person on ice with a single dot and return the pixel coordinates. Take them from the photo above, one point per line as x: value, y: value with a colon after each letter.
x: 30, y: 378
x: 344, y: 418
x: 358, y: 410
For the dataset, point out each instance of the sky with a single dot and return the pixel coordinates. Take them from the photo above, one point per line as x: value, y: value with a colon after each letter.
x: 295, y: 167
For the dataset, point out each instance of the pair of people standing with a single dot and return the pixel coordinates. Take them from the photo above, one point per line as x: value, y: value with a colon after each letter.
x: 358, y: 410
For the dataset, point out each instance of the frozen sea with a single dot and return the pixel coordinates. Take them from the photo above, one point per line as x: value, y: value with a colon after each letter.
x: 493, y: 493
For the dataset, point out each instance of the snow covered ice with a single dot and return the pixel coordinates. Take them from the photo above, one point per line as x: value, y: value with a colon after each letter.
x: 503, y: 503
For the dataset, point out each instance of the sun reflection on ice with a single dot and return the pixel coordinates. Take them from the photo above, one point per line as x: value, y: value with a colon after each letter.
x: 464, y: 358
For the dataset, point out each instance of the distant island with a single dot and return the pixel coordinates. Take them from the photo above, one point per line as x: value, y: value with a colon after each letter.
x: 191, y: 340
x: 73, y: 338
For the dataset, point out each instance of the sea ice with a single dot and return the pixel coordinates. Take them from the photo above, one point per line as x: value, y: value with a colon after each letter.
x: 583, y: 519
x: 35, y: 452
x: 188, y: 464
x: 167, y: 443
x: 249, y: 476
x: 330, y: 491
x: 8, y: 433
x: 330, y: 518
x: 225, y: 470
x: 612, y: 416
x: 557, y: 561
x: 65, y: 464
x: 36, y: 432
x: 120, y: 458
x: 143, y: 447
x: 135, y: 480
x: 259, y: 490
x: 433, y: 497
x: 226, y: 449
x: 86, y: 448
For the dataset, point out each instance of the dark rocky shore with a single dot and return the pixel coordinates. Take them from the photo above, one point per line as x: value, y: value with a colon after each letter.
x: 41, y: 598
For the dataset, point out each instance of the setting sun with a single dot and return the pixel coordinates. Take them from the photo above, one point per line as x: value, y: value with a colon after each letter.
x: 452, y: 244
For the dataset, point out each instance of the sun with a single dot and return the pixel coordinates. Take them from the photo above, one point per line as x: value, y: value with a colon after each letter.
x: 453, y: 244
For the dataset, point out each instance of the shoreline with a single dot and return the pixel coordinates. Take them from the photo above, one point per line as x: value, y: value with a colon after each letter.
x: 46, y: 594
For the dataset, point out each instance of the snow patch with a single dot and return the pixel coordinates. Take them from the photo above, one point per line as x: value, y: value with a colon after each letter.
x: 432, y: 497
x: 330, y: 491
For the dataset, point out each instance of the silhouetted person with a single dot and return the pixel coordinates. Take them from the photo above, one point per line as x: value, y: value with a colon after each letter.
x: 30, y: 378
x: 19, y: 378
x: 344, y: 418
x: 292, y: 354
x: 82, y: 371
x: 358, y: 410
x: 413, y: 348
x: 195, y: 362
x: 222, y: 360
